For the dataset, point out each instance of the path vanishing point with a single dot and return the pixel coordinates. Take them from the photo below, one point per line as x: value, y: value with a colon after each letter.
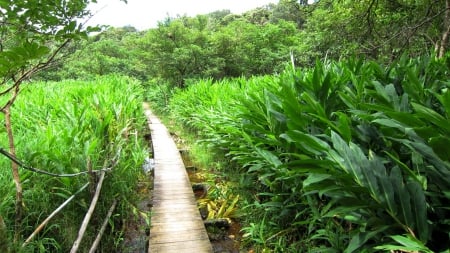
x: 176, y: 224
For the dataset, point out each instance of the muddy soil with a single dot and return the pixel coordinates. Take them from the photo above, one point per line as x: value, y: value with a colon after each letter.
x: 136, y: 232
x: 223, y: 240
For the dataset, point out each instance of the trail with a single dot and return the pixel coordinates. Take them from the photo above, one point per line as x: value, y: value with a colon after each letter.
x: 176, y: 224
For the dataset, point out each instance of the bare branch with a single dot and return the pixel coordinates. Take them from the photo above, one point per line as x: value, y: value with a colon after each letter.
x: 21, y: 164
x: 88, y: 215
x: 44, y: 223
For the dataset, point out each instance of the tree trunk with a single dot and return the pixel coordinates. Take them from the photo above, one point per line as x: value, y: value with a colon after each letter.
x: 446, y: 31
x: 15, y: 173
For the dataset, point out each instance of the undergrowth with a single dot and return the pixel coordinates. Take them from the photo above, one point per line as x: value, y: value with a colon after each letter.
x: 70, y: 127
x: 348, y: 156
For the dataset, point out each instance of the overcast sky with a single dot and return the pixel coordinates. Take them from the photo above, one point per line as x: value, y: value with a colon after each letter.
x: 144, y: 14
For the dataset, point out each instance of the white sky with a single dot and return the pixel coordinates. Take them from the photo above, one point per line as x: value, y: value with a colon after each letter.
x: 144, y: 14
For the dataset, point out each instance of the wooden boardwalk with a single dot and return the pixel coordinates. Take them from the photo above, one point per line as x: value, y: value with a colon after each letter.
x: 176, y: 224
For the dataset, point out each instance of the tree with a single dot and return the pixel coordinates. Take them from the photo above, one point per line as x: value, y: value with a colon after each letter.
x: 178, y: 50
x: 289, y: 10
x: 377, y: 29
x: 32, y: 34
x: 112, y: 51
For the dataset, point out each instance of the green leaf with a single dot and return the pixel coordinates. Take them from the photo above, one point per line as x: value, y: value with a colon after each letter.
x: 444, y: 98
x: 352, y: 160
x: 269, y: 157
x: 432, y: 116
x: 344, y: 210
x: 314, y: 178
x: 408, y: 170
x: 419, y: 209
x: 387, y: 194
x: 403, y: 197
x: 361, y: 238
x: 308, y: 142
x: 408, y: 243
x: 344, y: 126
x: 440, y: 146
x: 314, y: 105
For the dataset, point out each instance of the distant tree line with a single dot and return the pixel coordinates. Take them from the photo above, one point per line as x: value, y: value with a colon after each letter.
x: 261, y: 41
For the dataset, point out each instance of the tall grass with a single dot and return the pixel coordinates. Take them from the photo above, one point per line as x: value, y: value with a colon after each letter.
x: 69, y: 127
x: 348, y: 156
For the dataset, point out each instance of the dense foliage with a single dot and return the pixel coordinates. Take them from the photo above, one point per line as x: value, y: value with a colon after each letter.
x: 348, y: 156
x: 262, y: 41
x: 333, y: 154
x: 69, y: 127
x: 32, y: 35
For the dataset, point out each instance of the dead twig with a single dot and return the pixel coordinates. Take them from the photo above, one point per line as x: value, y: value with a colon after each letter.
x: 88, y: 215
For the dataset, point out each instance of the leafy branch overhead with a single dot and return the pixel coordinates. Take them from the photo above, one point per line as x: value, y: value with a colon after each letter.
x: 33, y: 32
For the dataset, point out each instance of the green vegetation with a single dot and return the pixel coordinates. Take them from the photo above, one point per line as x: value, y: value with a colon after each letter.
x: 70, y: 127
x: 220, y: 45
x: 327, y: 124
x: 346, y: 156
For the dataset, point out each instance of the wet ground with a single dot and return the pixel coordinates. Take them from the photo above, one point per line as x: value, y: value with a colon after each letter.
x: 223, y: 239
x: 136, y: 232
x: 136, y: 228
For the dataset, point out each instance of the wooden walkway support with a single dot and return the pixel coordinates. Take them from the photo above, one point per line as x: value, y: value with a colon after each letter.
x: 176, y: 224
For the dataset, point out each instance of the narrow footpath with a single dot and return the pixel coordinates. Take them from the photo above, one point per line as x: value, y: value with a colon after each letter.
x: 176, y: 224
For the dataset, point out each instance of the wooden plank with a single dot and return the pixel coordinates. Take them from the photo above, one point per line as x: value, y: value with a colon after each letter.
x: 168, y: 195
x: 173, y: 215
x: 177, y: 247
x: 175, y: 228
x: 172, y: 190
x: 172, y: 211
x: 174, y: 206
x: 179, y: 201
x: 179, y: 237
x: 176, y: 224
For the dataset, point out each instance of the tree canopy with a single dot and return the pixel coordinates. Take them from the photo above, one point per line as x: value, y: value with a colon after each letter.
x: 262, y: 41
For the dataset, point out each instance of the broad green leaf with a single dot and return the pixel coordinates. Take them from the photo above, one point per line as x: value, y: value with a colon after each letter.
x: 413, y: 86
x: 440, y: 145
x: 382, y: 94
x: 344, y: 126
x: 315, y: 105
x: 444, y: 98
x: 408, y: 170
x: 387, y: 194
x: 405, y: 118
x: 361, y: 238
x: 352, y: 160
x: 403, y: 197
x: 408, y: 243
x: 341, y: 211
x: 315, y: 178
x: 432, y: 116
x: 269, y: 157
x: 308, y: 142
x: 419, y: 210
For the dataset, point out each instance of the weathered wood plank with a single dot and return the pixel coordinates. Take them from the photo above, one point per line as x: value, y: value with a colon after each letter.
x: 171, y: 194
x: 176, y: 224
x: 173, y: 229
x: 172, y: 216
x: 180, y: 237
x: 160, y: 192
x: 188, y: 246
